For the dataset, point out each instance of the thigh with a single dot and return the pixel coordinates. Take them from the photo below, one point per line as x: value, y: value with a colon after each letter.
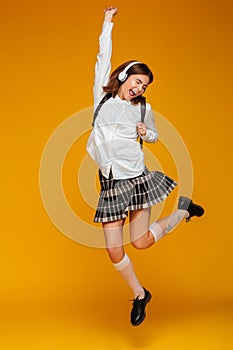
x: 139, y: 221
x: 113, y: 233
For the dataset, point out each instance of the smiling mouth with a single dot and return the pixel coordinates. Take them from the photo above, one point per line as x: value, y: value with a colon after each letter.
x: 132, y: 93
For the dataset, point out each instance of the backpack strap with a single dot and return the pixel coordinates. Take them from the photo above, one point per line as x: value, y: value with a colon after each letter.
x: 143, y: 113
x: 107, y: 97
x: 104, y: 99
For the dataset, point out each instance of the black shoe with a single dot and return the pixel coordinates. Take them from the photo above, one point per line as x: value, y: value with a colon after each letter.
x: 138, y: 311
x: 193, y: 209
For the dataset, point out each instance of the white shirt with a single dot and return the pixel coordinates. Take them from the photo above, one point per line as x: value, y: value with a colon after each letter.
x: 113, y: 141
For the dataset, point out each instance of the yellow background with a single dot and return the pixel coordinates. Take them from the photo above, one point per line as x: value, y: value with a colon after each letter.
x: 57, y: 294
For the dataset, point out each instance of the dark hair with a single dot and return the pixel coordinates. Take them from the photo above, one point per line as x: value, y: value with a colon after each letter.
x: 114, y: 83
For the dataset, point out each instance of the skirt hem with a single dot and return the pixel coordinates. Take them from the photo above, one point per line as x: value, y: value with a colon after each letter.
x: 118, y: 197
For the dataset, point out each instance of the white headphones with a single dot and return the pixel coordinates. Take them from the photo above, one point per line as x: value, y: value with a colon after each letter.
x: 122, y: 76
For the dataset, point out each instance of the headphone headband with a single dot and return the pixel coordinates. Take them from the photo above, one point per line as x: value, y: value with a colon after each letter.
x: 123, y: 75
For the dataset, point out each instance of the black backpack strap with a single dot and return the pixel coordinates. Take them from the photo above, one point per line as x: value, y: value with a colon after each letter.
x: 143, y: 113
x: 104, y: 99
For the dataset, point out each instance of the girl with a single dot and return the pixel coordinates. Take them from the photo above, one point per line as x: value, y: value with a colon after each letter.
x: 127, y: 186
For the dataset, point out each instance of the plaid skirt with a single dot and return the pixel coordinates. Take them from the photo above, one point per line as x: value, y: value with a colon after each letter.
x: 117, y: 197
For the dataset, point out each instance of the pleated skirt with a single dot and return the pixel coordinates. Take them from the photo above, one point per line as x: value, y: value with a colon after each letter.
x: 118, y: 197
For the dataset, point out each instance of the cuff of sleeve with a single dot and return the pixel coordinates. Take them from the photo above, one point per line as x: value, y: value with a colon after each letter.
x: 150, y: 136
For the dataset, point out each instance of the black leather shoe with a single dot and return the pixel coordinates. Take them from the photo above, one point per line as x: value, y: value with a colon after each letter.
x: 193, y: 209
x: 138, y: 312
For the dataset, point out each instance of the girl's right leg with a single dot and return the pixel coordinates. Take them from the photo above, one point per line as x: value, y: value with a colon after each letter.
x: 113, y: 232
x: 143, y: 235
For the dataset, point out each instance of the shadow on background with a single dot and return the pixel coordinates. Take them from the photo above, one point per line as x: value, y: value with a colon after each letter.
x: 99, y: 324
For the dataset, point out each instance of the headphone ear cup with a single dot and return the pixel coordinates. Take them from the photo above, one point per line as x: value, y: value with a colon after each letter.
x: 122, y: 76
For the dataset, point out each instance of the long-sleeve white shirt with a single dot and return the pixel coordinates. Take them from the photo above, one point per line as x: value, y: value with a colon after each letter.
x: 113, y: 141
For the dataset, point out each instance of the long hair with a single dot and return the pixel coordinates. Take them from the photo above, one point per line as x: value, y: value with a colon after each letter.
x: 114, y: 83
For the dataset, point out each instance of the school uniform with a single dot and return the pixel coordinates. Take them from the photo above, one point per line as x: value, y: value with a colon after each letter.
x: 126, y: 183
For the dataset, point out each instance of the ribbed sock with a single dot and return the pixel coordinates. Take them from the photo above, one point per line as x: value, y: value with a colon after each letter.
x: 161, y: 227
x: 125, y: 268
x: 156, y: 231
x: 175, y: 218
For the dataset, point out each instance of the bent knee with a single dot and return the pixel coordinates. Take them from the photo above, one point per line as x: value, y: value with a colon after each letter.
x: 115, y: 253
x: 138, y: 244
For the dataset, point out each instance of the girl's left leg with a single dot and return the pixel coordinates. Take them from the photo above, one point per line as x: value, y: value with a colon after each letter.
x: 113, y: 232
x: 144, y: 235
x: 114, y: 244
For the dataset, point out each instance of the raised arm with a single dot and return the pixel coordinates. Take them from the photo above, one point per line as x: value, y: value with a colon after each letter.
x: 103, y: 64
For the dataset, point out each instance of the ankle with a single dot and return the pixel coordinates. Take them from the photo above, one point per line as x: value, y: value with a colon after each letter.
x: 183, y: 213
x: 140, y: 294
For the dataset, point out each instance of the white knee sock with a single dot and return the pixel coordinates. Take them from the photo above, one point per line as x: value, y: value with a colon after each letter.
x: 125, y: 268
x: 175, y: 219
x: 161, y: 227
x: 156, y: 231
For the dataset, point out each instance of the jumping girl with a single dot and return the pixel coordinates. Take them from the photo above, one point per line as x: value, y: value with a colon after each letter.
x: 127, y: 186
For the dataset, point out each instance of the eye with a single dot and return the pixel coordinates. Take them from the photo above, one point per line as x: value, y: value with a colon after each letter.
x: 138, y: 81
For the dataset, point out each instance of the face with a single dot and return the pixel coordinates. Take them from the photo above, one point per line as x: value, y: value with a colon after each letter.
x: 134, y: 86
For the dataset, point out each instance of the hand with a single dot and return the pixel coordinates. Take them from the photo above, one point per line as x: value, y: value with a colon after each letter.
x: 141, y: 129
x: 110, y: 12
